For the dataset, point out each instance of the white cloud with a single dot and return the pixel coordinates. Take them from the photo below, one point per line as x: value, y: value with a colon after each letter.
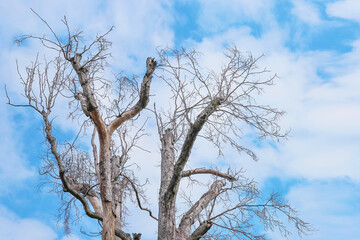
x: 330, y: 206
x: 70, y: 237
x: 321, y: 113
x: 14, y: 228
x: 306, y: 12
x: 140, y: 28
x: 14, y: 165
x: 347, y: 9
x: 218, y: 15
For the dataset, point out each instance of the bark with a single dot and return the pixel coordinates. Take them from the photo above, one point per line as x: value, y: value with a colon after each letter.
x: 116, y: 190
x: 203, y: 228
x: 95, y: 154
x: 96, y: 204
x: 84, y: 81
x: 88, y: 192
x: 108, y: 232
x: 207, y: 171
x: 122, y: 235
x: 115, y: 172
x: 166, y: 224
x: 82, y: 99
x: 171, y: 172
x: 188, y: 219
x: 188, y: 144
x: 136, y: 236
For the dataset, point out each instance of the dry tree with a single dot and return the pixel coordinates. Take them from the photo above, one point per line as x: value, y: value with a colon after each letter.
x: 204, y: 104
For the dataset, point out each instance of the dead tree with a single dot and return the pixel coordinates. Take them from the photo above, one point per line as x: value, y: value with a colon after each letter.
x: 215, y: 107
x: 205, y: 104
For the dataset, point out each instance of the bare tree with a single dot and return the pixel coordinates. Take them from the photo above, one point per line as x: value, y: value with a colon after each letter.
x: 204, y: 104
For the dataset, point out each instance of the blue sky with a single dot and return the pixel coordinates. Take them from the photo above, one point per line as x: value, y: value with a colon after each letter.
x: 312, y: 45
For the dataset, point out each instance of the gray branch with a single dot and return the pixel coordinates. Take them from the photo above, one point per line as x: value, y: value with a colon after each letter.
x: 200, y: 231
x: 188, y: 144
x: 189, y: 217
x: 207, y: 171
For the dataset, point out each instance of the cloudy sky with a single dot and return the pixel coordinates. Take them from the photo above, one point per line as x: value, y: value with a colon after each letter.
x: 312, y: 45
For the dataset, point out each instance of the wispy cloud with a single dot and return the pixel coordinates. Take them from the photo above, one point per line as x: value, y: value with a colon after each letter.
x: 307, y: 12
x: 346, y: 9
x: 329, y: 205
x: 219, y: 16
x: 14, y: 162
x: 13, y: 227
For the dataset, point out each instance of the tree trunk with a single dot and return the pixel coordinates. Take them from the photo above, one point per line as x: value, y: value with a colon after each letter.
x: 116, y: 191
x: 108, y: 232
x: 166, y: 224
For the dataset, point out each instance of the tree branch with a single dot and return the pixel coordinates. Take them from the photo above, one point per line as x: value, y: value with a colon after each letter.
x: 138, y: 197
x: 87, y: 97
x: 188, y: 144
x: 122, y: 235
x: 189, y: 217
x: 151, y: 65
x: 88, y: 192
x: 95, y: 153
x: 82, y: 99
x: 67, y: 186
x: 200, y: 231
x: 207, y: 171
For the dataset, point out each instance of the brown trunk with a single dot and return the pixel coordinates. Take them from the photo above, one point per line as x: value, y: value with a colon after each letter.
x: 108, y: 232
